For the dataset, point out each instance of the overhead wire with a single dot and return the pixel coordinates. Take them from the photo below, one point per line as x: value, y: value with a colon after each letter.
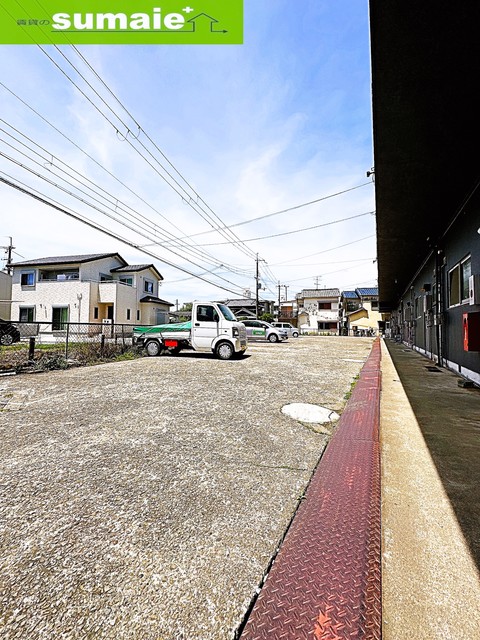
x: 276, y: 213
x: 75, y: 215
x: 108, y: 215
x: 140, y: 128
x: 288, y: 233
x: 172, y: 238
x: 186, y: 197
x: 116, y: 209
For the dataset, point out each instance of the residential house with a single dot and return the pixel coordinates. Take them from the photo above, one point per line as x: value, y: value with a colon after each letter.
x: 88, y: 289
x: 287, y: 311
x: 318, y: 310
x: 246, y: 307
x: 5, y: 295
x: 427, y: 189
x: 359, y: 314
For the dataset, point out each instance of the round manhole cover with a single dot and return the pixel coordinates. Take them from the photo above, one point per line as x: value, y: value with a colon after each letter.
x: 310, y: 413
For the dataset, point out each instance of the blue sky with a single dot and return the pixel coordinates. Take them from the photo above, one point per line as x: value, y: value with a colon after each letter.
x: 256, y: 128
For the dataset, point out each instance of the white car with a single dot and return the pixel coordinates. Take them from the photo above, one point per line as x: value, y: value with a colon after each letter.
x: 260, y: 330
x: 289, y: 328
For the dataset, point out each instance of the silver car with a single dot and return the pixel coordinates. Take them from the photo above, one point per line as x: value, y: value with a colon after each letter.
x: 260, y: 330
x: 289, y: 328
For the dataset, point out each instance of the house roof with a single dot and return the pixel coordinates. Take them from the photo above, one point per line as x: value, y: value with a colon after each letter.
x: 369, y: 291
x: 242, y: 302
x: 319, y: 293
x: 132, y: 268
x: 350, y: 294
x: 357, y: 314
x: 89, y: 257
x: 156, y: 300
x: 244, y: 312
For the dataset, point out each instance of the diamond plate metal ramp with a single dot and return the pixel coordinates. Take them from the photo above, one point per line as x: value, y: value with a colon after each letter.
x: 325, y: 583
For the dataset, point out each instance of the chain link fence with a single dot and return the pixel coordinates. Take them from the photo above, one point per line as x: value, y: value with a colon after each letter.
x: 46, y: 345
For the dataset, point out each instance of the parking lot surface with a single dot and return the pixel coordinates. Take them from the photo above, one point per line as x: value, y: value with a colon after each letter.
x: 145, y: 499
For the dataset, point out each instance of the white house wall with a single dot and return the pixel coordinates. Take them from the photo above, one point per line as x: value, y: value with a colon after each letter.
x: 45, y: 295
x: 92, y: 270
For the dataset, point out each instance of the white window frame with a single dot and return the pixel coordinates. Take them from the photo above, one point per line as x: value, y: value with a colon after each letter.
x: 456, y: 281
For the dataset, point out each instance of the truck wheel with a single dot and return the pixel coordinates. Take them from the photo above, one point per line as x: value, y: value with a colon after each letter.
x: 174, y: 351
x: 295, y: 334
x: 224, y: 351
x: 273, y: 337
x: 152, y: 348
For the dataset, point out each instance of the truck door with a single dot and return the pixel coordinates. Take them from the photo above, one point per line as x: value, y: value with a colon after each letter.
x: 204, y: 327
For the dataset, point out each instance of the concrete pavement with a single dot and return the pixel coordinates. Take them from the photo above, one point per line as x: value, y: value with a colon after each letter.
x: 430, y: 500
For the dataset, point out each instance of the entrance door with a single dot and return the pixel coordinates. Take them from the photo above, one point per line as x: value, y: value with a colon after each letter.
x: 204, y: 327
x: 110, y: 312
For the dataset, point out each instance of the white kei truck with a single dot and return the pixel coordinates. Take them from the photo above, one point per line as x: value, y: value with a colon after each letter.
x: 213, y: 328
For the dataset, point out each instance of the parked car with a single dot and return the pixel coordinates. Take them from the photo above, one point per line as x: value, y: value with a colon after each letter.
x: 8, y: 333
x: 289, y: 328
x: 260, y: 330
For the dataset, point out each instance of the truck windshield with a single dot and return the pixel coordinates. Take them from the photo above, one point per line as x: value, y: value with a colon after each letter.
x: 226, y: 313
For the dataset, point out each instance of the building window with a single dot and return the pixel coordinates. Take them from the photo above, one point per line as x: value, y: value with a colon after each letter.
x: 27, y: 314
x: 59, y: 276
x: 138, y: 315
x: 27, y: 279
x: 105, y: 277
x: 374, y: 305
x: 324, y: 305
x: 95, y: 313
x: 127, y: 280
x: 59, y: 318
x: 128, y: 314
x: 458, y: 282
x: 148, y: 286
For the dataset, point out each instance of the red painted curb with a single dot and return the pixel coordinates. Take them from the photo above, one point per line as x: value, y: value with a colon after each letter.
x: 325, y: 583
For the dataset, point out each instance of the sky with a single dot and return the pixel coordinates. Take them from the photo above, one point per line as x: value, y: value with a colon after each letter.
x: 184, y: 151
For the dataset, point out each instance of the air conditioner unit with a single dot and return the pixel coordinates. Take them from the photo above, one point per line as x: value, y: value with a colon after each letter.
x: 407, y: 314
x: 474, y: 289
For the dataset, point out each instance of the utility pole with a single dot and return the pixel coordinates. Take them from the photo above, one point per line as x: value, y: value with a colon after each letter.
x: 257, y: 285
x: 8, y: 250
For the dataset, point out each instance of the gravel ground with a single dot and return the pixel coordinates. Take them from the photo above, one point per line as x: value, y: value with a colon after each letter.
x: 145, y: 499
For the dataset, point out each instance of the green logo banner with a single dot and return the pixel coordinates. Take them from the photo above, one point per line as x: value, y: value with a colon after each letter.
x: 121, y: 22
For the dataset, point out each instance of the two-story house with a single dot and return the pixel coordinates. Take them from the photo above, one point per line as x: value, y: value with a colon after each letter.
x: 359, y: 312
x: 318, y: 310
x: 87, y: 289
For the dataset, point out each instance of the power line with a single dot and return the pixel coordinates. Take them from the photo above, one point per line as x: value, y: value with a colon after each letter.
x: 97, y: 227
x: 276, y: 213
x: 287, y: 233
x: 340, y: 246
x: 129, y: 189
x: 187, y: 198
x: 114, y: 204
